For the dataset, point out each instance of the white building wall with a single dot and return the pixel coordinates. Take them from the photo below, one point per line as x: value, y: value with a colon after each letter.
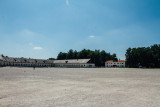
x: 69, y: 65
x: 115, y: 64
x: 90, y: 65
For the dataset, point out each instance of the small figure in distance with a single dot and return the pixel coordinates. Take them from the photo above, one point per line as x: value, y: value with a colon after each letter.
x: 34, y: 67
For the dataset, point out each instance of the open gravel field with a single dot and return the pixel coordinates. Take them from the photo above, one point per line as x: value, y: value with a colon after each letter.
x: 79, y: 87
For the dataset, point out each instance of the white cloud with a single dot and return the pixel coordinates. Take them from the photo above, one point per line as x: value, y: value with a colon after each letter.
x: 37, y: 48
x: 91, y: 36
x: 67, y: 2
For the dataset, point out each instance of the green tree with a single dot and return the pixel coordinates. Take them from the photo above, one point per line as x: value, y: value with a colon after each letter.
x: 51, y: 59
x: 114, y: 57
x: 97, y: 58
x: 70, y: 54
x: 144, y: 56
x: 62, y: 56
x: 128, y: 57
x: 75, y: 55
x: 103, y: 57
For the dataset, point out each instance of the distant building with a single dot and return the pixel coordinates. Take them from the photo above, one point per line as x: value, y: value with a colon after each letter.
x: 28, y: 62
x: 25, y: 62
x: 118, y: 64
x: 74, y: 63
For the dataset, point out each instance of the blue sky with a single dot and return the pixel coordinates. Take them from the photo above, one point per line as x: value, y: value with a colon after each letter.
x: 43, y: 28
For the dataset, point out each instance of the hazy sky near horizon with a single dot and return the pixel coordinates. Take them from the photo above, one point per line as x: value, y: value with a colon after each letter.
x: 43, y: 28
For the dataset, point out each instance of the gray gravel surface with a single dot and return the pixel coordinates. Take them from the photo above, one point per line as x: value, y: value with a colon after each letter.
x: 79, y: 87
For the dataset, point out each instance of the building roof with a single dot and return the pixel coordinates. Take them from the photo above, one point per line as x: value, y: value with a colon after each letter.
x: 109, y: 61
x: 116, y: 61
x: 1, y: 58
x: 8, y: 59
x: 43, y: 61
x: 24, y: 60
x: 121, y: 60
x: 76, y: 61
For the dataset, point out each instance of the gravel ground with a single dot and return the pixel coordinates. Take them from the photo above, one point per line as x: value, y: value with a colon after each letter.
x: 79, y: 87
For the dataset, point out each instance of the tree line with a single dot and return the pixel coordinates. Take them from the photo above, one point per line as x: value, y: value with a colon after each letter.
x: 97, y: 57
x: 143, y: 57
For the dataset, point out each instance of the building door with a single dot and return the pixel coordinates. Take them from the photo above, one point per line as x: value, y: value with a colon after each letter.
x: 114, y: 66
